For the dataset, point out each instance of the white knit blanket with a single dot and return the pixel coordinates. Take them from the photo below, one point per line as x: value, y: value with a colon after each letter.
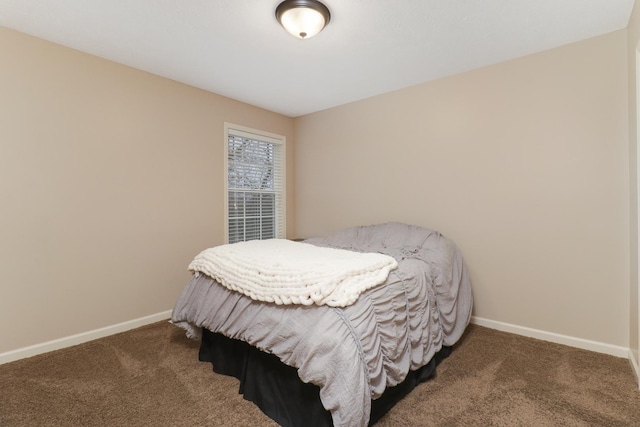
x: 287, y: 272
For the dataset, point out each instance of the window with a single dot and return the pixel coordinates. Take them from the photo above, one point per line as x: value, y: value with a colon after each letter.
x: 254, y: 185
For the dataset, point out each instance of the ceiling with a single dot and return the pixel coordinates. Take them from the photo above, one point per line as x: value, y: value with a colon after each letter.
x: 236, y: 48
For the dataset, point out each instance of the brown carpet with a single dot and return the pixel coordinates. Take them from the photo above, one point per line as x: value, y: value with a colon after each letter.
x: 151, y: 377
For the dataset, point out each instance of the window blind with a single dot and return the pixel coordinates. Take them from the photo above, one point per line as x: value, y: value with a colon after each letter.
x: 255, y: 185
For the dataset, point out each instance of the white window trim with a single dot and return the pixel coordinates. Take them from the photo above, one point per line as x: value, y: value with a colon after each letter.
x: 263, y: 136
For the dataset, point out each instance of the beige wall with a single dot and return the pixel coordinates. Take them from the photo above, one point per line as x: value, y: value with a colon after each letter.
x: 524, y: 164
x: 633, y: 46
x: 111, y: 180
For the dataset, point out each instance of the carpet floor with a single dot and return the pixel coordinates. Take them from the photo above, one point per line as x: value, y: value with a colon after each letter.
x: 151, y: 376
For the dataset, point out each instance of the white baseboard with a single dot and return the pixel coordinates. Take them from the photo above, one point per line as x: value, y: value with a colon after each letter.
x: 634, y: 365
x: 69, y: 341
x: 596, y: 346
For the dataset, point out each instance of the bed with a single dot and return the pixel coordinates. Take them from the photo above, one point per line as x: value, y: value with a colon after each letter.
x: 337, y: 365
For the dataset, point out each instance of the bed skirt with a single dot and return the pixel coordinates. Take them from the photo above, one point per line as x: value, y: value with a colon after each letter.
x: 278, y: 391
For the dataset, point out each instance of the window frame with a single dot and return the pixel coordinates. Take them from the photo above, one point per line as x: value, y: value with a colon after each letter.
x: 263, y: 136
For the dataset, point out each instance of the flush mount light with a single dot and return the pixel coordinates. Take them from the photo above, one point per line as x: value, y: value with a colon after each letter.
x: 303, y: 18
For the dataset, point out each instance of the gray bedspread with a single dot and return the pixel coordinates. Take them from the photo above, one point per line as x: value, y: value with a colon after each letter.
x: 352, y: 353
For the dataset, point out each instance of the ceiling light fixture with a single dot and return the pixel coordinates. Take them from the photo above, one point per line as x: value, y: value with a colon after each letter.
x: 303, y: 18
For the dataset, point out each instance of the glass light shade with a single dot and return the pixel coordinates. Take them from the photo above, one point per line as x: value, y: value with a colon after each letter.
x: 303, y: 18
x: 302, y: 22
